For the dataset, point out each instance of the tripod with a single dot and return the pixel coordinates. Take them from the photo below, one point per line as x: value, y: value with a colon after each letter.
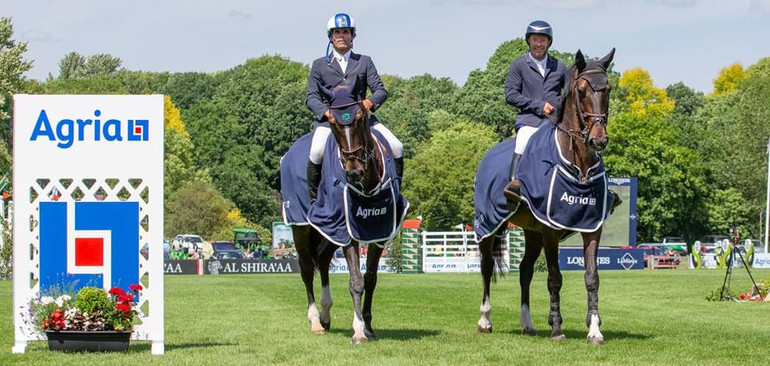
x: 729, y: 271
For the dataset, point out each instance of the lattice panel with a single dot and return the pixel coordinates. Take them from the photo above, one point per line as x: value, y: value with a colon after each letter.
x: 55, y: 189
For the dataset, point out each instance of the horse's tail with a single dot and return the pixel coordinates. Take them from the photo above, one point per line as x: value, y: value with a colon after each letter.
x: 501, y: 266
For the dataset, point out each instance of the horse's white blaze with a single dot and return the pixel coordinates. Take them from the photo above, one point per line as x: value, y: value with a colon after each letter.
x: 326, y: 304
x: 526, y: 318
x: 486, y: 308
x: 349, y: 137
x: 593, y: 328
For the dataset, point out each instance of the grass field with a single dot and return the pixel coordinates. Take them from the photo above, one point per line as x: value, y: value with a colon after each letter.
x: 649, y: 317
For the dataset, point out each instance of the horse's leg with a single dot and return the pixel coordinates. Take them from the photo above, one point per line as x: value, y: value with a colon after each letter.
x: 590, y: 249
x: 356, y: 289
x: 487, y: 271
x: 373, y: 254
x: 551, y: 246
x: 533, y: 244
x: 306, y: 255
x: 325, y: 259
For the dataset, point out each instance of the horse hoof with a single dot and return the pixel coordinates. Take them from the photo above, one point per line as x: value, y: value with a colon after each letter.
x: 558, y: 337
x: 595, y: 340
x: 359, y: 340
x: 480, y: 329
x: 370, y: 335
x: 529, y: 332
x: 326, y: 326
x: 318, y: 331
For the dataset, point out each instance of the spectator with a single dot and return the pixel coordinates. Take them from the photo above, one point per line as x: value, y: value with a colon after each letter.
x: 258, y: 253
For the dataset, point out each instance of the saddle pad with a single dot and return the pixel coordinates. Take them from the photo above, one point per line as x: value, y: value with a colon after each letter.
x: 344, y: 213
x: 550, y: 186
x: 296, y: 200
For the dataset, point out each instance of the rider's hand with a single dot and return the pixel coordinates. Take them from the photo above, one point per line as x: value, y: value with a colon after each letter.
x: 548, y: 108
x: 368, y: 105
x: 328, y: 115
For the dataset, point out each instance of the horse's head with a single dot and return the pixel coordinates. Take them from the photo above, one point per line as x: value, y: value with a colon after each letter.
x: 590, y: 93
x: 350, y: 126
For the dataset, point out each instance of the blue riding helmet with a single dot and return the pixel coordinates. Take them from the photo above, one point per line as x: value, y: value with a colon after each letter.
x: 341, y: 20
x: 539, y: 27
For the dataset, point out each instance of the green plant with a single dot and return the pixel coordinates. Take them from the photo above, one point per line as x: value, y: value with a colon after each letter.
x: 92, y: 299
x: 92, y: 309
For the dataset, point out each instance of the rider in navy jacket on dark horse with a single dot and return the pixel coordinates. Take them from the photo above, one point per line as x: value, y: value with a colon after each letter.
x: 342, y: 65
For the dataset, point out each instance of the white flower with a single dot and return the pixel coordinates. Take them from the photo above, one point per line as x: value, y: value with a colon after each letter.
x: 61, y: 299
x: 45, y: 300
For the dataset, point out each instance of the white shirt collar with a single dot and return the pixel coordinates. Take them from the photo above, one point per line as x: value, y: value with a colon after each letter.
x: 337, y: 55
x: 542, y: 63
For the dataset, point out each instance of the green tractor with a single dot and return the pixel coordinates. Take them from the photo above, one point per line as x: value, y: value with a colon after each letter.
x: 249, y: 239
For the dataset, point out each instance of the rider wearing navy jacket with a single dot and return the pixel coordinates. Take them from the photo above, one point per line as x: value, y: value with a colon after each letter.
x: 342, y: 65
x: 534, y: 86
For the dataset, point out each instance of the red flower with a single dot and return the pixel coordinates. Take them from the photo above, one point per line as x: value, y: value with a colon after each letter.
x: 135, y: 287
x: 125, y: 298
x: 117, y: 291
x: 124, y: 307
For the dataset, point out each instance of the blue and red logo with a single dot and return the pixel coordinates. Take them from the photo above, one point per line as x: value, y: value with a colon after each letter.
x: 88, y: 244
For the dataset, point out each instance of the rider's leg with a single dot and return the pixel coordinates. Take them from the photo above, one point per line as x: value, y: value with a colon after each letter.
x: 395, y: 145
x: 522, y: 138
x: 315, y: 160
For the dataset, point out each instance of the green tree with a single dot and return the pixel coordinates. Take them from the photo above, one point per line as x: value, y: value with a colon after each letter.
x: 443, y: 193
x: 644, y: 145
x: 12, y: 67
x: 76, y: 66
x: 197, y: 208
x: 179, y: 167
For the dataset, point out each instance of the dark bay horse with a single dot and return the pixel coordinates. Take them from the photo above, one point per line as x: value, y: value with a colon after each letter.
x: 363, y: 159
x: 580, y: 136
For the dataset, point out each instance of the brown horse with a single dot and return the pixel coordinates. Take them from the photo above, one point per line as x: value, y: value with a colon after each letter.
x: 361, y: 157
x: 581, y: 136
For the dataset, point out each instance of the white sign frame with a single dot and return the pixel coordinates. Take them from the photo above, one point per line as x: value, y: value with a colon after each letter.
x: 57, y: 164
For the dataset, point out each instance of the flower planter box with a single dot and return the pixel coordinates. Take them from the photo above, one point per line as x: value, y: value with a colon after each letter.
x: 71, y: 340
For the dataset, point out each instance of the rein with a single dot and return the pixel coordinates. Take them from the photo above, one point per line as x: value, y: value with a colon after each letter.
x: 582, y: 135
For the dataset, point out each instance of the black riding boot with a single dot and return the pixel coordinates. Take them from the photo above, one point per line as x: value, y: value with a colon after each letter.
x: 399, y: 166
x: 313, y: 180
x: 512, y: 191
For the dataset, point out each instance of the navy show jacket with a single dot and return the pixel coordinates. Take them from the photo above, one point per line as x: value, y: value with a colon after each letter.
x: 528, y: 91
x: 328, y: 74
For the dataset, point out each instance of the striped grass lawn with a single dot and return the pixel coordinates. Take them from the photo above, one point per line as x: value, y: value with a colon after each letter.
x: 649, y: 318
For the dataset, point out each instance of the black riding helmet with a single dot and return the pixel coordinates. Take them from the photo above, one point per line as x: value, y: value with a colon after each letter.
x: 539, y: 27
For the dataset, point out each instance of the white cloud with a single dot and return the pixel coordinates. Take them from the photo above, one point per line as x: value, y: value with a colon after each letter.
x: 237, y: 14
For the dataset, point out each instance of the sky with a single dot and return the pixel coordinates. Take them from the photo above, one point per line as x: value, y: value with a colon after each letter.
x: 674, y: 40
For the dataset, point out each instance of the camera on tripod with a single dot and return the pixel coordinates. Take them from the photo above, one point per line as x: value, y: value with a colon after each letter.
x: 734, y: 248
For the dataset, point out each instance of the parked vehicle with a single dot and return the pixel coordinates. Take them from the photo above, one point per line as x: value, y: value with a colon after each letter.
x: 660, y: 252
x: 225, y: 250
x: 187, y: 241
x: 676, y: 243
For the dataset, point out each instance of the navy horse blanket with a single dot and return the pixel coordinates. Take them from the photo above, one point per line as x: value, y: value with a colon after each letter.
x: 343, y: 211
x: 551, y: 187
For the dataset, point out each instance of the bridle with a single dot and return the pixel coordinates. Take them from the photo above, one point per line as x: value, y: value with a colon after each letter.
x: 346, y: 155
x: 582, y: 135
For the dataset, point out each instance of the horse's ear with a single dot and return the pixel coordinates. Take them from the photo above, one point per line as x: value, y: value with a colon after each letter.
x: 606, y: 60
x: 580, y: 60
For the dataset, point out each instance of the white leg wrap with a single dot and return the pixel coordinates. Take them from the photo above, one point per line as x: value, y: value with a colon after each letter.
x: 593, y: 328
x: 526, y: 318
x: 485, y: 322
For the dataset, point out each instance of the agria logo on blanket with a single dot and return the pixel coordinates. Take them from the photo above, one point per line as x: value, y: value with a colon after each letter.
x: 66, y: 131
x: 88, y: 244
x: 571, y: 200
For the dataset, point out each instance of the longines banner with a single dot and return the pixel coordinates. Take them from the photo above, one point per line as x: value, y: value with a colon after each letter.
x: 607, y: 258
x: 235, y: 266
x: 88, y: 184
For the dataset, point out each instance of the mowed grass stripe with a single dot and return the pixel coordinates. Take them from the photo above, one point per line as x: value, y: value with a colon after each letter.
x: 649, y: 317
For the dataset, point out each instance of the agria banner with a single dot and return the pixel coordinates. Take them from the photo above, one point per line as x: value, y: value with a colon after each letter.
x: 88, y: 195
